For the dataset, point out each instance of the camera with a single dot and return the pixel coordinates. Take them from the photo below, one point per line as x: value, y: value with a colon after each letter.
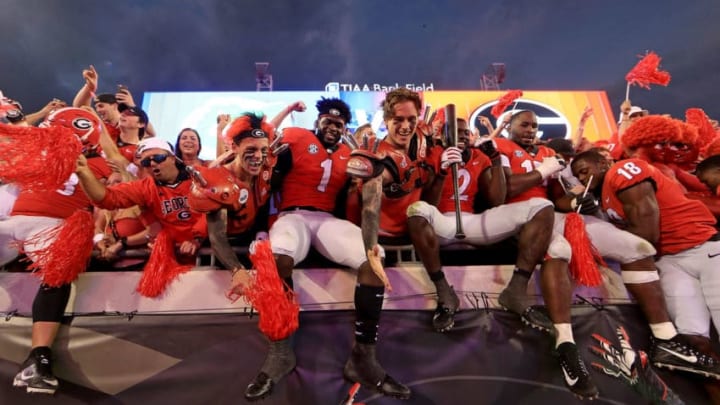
x: 14, y: 116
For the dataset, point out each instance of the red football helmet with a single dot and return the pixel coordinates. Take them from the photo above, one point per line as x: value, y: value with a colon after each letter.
x: 84, y: 124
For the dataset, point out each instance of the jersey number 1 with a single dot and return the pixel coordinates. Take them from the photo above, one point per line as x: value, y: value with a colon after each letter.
x: 327, y: 170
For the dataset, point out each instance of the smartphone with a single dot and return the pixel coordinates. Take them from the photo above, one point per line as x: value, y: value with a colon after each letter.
x: 122, y: 88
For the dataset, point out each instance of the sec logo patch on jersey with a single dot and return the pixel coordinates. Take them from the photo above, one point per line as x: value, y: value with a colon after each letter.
x: 312, y: 149
x: 244, y: 194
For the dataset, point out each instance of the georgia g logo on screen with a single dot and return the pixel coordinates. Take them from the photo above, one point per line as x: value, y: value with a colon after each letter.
x: 551, y: 122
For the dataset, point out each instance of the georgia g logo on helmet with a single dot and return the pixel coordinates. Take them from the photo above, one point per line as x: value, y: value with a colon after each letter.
x: 82, y: 124
x: 551, y: 122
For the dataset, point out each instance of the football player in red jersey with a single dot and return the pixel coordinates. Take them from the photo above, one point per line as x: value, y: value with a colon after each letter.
x: 235, y: 193
x: 310, y: 176
x: 640, y: 199
x: 528, y: 168
x: 400, y: 173
x: 481, y: 176
x: 35, y: 215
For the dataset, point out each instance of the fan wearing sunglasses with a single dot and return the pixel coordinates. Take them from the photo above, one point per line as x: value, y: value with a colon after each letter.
x: 163, y: 194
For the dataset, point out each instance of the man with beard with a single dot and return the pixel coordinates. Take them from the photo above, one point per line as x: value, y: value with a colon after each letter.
x: 634, y: 254
x: 528, y: 168
x: 481, y: 176
x: 310, y: 177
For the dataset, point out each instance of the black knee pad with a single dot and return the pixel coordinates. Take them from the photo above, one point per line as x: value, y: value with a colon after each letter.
x: 50, y: 302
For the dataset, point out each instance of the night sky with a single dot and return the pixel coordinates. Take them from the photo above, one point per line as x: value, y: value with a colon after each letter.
x: 212, y: 45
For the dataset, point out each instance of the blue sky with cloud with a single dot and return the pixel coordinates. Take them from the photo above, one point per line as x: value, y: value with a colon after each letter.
x: 211, y: 45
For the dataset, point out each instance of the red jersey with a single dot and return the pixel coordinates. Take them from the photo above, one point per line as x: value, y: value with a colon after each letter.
x: 316, y: 176
x: 60, y: 203
x: 613, y: 145
x: 409, y: 178
x: 113, y: 131
x: 468, y: 177
x: 522, y: 161
x: 242, y: 213
x: 167, y: 203
x: 684, y: 223
x: 127, y: 150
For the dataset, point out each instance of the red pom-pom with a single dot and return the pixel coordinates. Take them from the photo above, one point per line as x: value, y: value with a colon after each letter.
x: 651, y: 130
x: 706, y: 132
x: 68, y: 256
x: 275, y: 302
x: 162, y: 267
x: 583, y: 266
x: 37, y: 158
x: 688, y: 134
x: 714, y: 148
x: 646, y: 72
x: 505, y: 101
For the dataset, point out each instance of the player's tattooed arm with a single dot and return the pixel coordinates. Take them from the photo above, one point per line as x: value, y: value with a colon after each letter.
x: 371, y: 198
x: 217, y: 232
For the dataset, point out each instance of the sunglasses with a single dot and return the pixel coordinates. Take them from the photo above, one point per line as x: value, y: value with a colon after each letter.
x: 159, y: 158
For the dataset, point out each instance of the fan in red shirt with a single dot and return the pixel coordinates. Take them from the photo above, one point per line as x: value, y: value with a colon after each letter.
x: 640, y: 199
x: 33, y: 224
x: 162, y: 195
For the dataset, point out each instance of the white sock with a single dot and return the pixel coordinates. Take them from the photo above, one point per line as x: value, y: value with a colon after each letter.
x: 564, y: 333
x: 665, y: 330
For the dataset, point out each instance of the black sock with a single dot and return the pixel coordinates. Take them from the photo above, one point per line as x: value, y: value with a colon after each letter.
x: 436, y: 276
x: 50, y: 302
x: 368, y: 305
x: 522, y: 273
x: 41, y: 351
x: 520, y: 279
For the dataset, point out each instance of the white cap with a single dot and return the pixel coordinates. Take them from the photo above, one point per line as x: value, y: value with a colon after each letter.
x: 153, y: 143
x: 634, y: 110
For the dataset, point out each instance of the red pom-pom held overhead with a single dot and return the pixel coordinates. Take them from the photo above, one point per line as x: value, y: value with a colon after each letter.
x: 505, y: 101
x: 647, y: 72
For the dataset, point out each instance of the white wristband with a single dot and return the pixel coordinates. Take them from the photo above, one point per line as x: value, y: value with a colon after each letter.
x: 98, y: 237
